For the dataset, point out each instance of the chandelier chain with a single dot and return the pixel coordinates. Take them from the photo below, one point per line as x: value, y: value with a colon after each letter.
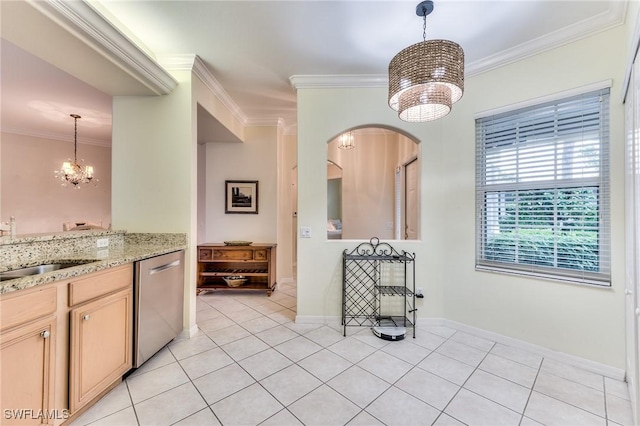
x: 75, y: 139
x: 424, y: 27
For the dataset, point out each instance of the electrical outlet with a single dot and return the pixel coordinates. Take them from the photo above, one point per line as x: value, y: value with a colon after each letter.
x: 102, y: 253
x: 102, y: 242
x: 305, y: 232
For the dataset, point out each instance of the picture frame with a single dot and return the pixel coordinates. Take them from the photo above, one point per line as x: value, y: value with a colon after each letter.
x: 241, y: 197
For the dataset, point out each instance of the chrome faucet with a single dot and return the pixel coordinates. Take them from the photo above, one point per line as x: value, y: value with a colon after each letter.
x: 8, y: 227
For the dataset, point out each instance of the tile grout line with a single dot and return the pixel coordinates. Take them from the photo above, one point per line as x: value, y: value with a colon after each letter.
x: 606, y: 408
x: 376, y: 350
x: 569, y: 403
x: 462, y: 385
x: 191, y: 380
x: 197, y: 390
x: 258, y: 382
x: 533, y: 385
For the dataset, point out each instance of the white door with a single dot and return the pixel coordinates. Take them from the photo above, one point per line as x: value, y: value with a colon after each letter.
x: 294, y: 216
x: 411, y: 200
x: 632, y: 231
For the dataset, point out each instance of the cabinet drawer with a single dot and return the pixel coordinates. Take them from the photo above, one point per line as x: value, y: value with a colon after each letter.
x: 205, y: 254
x: 25, y: 305
x: 100, y: 283
x: 260, y: 255
x: 232, y: 254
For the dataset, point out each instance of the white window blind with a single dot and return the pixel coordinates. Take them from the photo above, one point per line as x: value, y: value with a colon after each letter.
x: 542, y: 190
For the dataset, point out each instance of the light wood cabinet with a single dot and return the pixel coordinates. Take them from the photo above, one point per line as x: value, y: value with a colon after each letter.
x: 256, y: 262
x: 27, y: 358
x: 101, y: 335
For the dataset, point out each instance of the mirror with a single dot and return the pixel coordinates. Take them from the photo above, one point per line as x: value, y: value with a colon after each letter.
x: 375, y: 183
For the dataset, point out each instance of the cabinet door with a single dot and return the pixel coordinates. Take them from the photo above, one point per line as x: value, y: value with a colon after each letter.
x: 26, y: 373
x: 101, y: 349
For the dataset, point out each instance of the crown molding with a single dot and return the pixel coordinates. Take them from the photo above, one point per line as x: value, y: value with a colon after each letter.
x: 614, y: 16
x: 55, y: 136
x: 266, y: 122
x: 189, y: 61
x: 335, y: 81
x: 291, y: 129
x: 279, y: 122
x: 178, y: 62
x: 86, y: 22
x: 192, y: 62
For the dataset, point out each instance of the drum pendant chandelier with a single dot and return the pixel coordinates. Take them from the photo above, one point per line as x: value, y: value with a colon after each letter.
x: 426, y: 78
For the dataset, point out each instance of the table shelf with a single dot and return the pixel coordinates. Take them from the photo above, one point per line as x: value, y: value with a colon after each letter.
x: 256, y: 262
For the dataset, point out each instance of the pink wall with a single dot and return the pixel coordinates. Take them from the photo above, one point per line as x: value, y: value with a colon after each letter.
x: 30, y: 192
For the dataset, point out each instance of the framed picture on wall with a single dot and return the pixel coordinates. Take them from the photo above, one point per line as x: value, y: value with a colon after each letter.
x: 241, y: 196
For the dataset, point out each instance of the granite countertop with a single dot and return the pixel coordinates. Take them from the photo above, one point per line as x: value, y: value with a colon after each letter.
x: 96, y: 260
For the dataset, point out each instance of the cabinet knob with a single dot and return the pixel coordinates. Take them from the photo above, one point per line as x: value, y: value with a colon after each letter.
x: 86, y: 317
x: 45, y: 334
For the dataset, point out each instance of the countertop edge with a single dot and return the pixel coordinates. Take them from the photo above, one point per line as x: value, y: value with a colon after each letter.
x: 132, y: 254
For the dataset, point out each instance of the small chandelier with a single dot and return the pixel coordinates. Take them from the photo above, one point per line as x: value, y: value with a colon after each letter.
x: 346, y: 141
x: 72, y: 172
x: 426, y: 78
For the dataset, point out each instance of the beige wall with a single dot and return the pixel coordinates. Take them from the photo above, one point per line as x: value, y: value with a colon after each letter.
x: 254, y: 159
x: 584, y: 321
x: 579, y: 320
x: 30, y: 192
x: 322, y: 114
x: 155, y: 158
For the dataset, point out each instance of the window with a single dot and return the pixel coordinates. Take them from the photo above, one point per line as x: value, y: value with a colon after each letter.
x: 542, y: 190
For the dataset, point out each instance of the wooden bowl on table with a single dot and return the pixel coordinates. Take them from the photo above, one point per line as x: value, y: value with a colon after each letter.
x: 235, y: 280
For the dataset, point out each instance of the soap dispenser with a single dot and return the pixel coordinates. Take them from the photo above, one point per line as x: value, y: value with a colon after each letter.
x: 12, y: 226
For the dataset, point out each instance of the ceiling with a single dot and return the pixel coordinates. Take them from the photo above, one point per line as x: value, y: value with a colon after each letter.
x: 252, y: 48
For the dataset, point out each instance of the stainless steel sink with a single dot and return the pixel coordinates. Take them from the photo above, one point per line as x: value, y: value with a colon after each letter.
x: 36, y: 270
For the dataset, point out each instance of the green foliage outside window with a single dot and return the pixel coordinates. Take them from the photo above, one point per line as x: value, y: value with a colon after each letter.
x: 554, y: 228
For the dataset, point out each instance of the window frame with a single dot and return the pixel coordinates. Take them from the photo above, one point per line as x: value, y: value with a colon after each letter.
x: 601, y: 182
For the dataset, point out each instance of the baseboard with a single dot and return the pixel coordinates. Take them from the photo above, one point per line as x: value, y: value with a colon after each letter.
x: 576, y: 361
x: 318, y: 319
x: 585, y: 364
x: 288, y: 280
x: 188, y: 333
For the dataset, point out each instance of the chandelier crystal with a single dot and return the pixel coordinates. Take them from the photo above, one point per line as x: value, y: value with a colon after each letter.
x: 346, y: 141
x: 426, y: 78
x: 73, y: 172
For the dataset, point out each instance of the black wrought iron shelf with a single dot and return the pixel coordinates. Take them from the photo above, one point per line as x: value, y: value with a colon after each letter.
x: 395, y: 321
x: 371, y: 271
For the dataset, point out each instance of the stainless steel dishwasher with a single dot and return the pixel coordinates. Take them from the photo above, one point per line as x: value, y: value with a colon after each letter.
x: 158, y: 302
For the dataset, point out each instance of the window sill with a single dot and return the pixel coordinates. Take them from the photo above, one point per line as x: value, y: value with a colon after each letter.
x: 584, y: 282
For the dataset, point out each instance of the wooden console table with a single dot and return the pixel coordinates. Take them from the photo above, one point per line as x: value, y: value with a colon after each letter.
x: 257, y: 262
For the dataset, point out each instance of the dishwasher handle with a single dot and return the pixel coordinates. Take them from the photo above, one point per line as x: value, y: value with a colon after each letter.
x: 161, y: 268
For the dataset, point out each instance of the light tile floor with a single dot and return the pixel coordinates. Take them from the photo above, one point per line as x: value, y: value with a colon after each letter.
x: 251, y: 364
